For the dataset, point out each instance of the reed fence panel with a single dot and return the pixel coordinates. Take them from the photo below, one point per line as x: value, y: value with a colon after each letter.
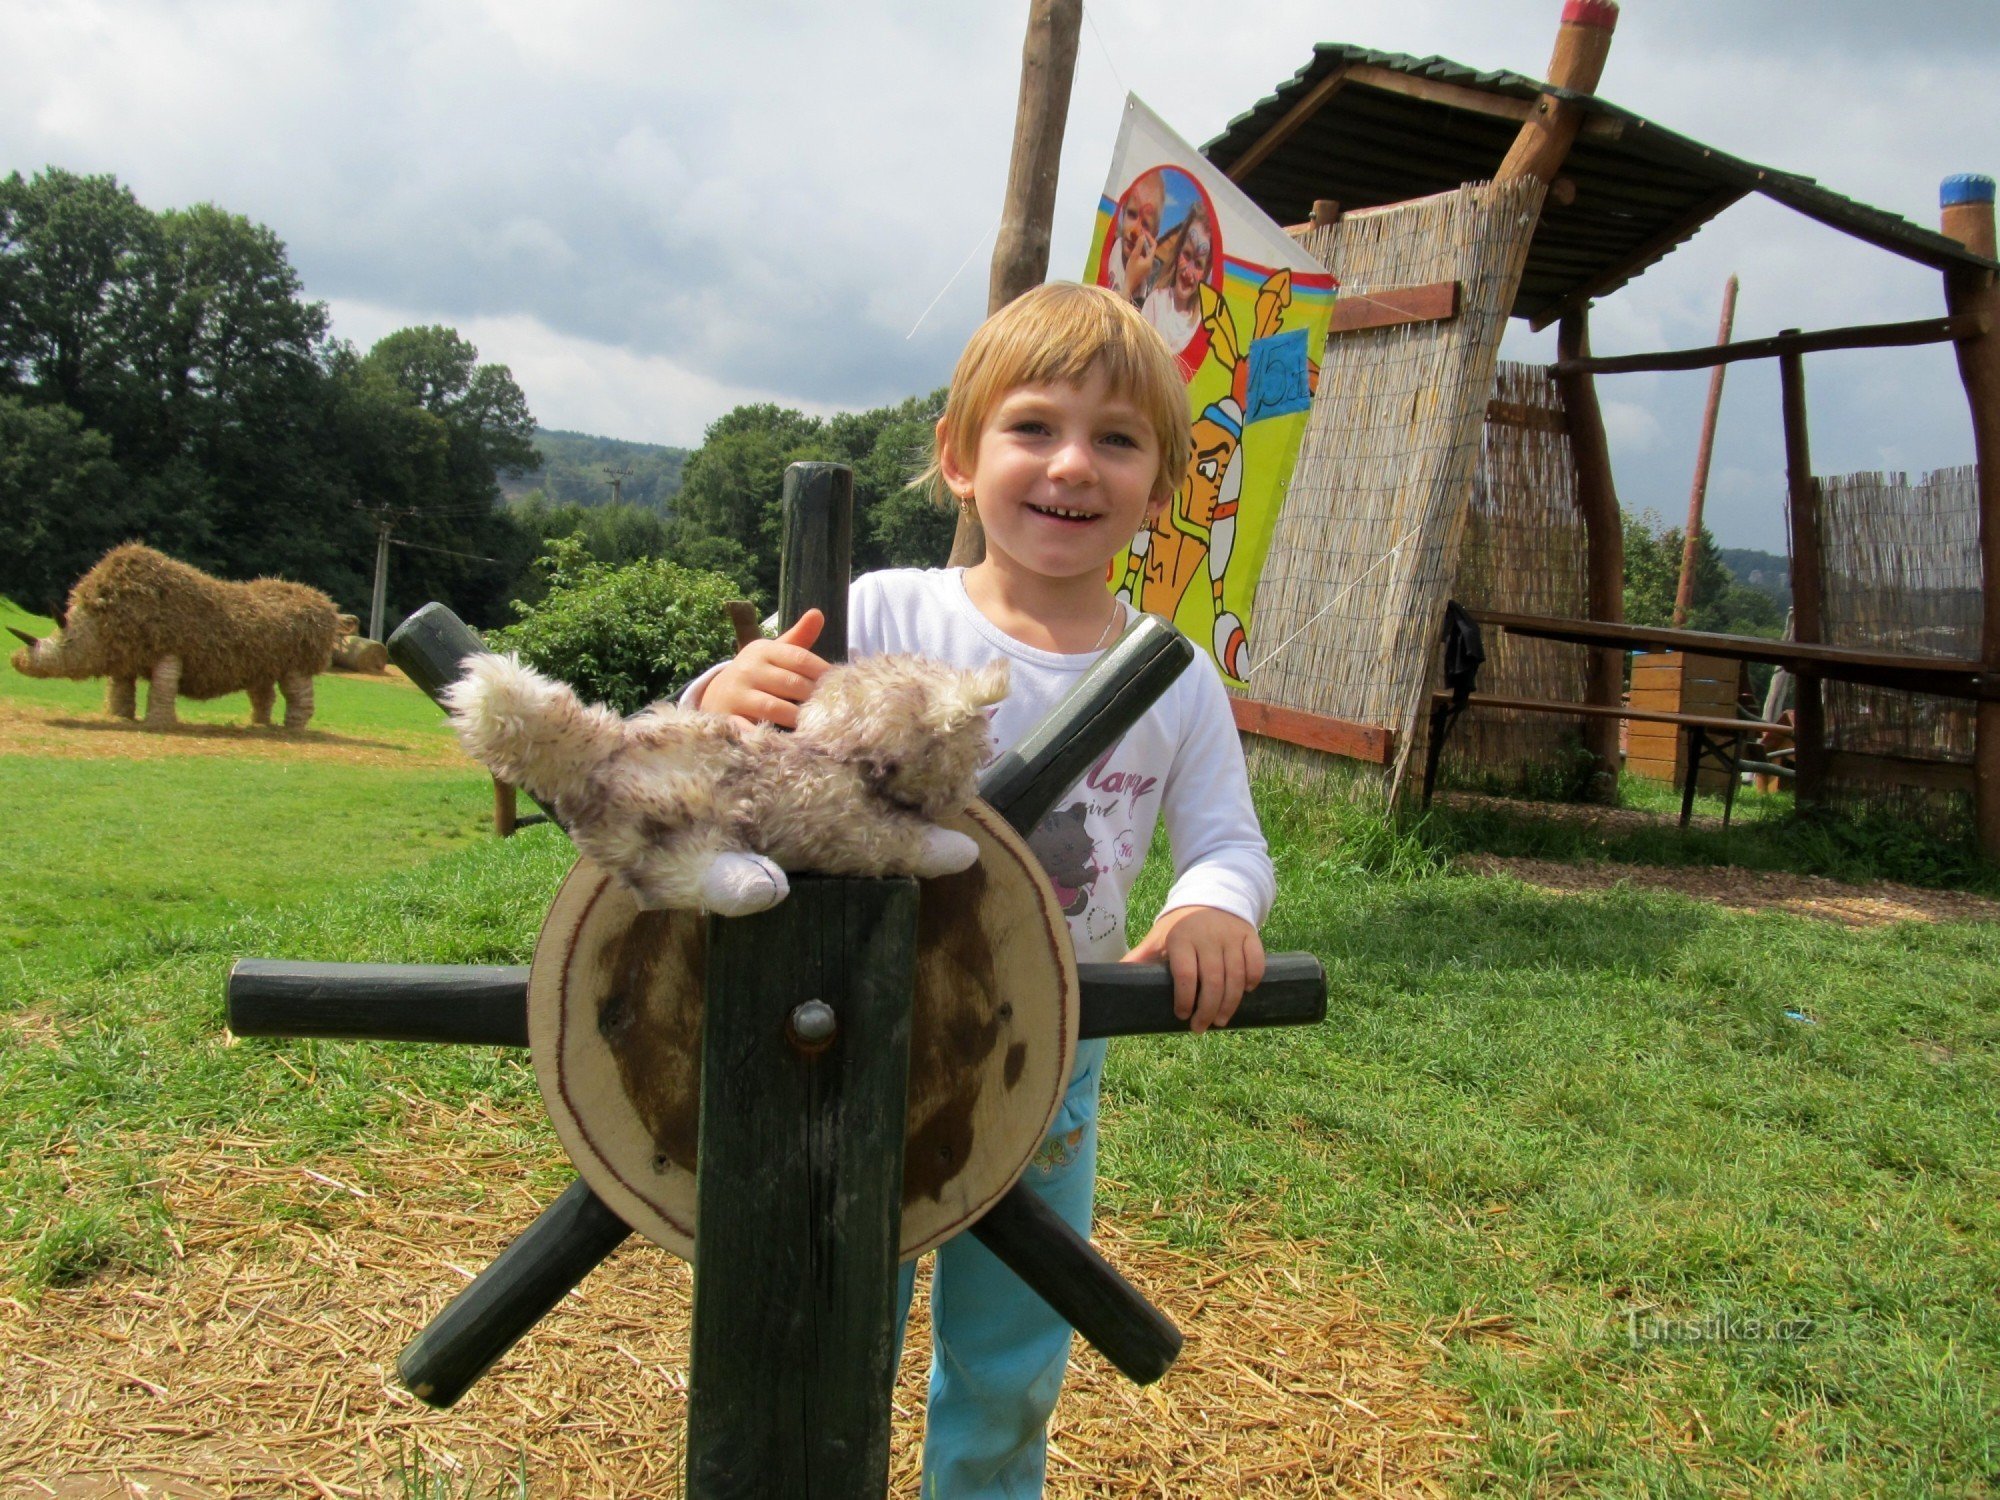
x: 1367, y: 547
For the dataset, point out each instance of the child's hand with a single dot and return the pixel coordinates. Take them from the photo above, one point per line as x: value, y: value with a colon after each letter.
x: 1214, y: 955
x: 768, y: 680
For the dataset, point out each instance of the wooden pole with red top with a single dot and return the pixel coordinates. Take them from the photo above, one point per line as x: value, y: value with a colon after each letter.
x: 1539, y: 151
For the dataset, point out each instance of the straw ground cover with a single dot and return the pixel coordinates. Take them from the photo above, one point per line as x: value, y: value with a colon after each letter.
x: 1504, y: 1222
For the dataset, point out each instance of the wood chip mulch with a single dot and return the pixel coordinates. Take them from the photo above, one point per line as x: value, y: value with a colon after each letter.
x: 261, y: 1359
x: 1875, y: 904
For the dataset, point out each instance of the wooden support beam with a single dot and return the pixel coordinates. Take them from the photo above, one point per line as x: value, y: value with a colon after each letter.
x: 1582, y: 44
x: 1808, y: 572
x: 1432, y: 302
x: 1966, y: 211
x: 1703, y: 453
x: 1947, y: 330
x: 1021, y: 255
x: 1293, y: 726
x: 1287, y: 125
x: 1604, y: 545
x: 1471, y: 100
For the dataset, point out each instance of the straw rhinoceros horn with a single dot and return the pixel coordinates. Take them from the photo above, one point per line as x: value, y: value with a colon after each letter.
x: 26, y: 639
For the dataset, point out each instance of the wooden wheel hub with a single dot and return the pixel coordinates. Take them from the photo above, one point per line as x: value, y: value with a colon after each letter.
x: 614, y: 1020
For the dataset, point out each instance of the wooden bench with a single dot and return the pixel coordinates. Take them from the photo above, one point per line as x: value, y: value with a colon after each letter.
x: 1708, y: 735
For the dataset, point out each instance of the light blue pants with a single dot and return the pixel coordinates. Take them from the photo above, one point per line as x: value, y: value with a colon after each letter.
x: 997, y: 1350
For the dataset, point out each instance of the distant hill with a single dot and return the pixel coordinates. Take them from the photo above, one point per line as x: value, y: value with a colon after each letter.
x: 1767, y: 572
x: 576, y: 470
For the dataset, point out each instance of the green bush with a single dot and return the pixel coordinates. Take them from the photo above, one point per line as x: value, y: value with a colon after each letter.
x: 621, y: 636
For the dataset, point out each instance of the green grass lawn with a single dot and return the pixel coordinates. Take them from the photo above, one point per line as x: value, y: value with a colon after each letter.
x: 1533, y: 1124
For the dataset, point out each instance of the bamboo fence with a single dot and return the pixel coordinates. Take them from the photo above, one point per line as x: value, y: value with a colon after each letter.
x: 1367, y: 547
x: 1524, y: 551
x: 1901, y: 569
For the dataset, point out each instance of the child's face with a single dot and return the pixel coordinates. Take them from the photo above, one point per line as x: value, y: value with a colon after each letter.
x: 1191, y: 270
x: 1139, y: 221
x: 1064, y: 477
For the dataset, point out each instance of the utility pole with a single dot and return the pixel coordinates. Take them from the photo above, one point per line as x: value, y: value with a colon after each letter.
x: 381, y: 578
x: 615, y: 476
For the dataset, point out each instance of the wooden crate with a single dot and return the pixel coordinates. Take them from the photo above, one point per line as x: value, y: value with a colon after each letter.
x: 1677, y: 682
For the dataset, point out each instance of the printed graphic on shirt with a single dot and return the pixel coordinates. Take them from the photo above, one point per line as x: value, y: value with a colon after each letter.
x: 1082, y: 843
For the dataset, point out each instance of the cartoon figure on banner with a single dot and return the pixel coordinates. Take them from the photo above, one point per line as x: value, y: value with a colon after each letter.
x: 1166, y: 255
x: 1201, y: 522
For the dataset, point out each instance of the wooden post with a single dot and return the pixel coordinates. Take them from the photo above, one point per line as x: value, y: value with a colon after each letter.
x: 506, y: 808
x: 819, y: 541
x: 805, y: 1042
x: 1966, y: 204
x: 1582, y: 44
x: 1808, y: 620
x: 1604, y: 543
x: 1704, y: 452
x: 1021, y: 258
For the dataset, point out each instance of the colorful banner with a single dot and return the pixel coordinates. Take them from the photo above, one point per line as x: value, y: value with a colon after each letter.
x: 1245, y: 310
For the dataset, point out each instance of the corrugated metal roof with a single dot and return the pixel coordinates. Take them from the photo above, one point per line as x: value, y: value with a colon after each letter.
x: 1395, y: 127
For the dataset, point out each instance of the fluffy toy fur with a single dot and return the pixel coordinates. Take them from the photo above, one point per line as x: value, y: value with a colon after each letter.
x: 695, y: 810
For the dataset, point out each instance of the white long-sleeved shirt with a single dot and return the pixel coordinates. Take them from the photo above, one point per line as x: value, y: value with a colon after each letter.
x: 1181, y: 761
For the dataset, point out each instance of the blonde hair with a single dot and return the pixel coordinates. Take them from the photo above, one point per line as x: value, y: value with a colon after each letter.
x: 1059, y: 334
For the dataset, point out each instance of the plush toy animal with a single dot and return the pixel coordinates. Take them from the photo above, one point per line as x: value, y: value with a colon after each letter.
x: 695, y: 810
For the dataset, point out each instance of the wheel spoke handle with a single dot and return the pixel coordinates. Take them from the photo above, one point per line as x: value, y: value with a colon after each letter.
x: 542, y: 1266
x: 1138, y: 999
x: 1023, y: 783
x: 431, y: 647
x: 476, y: 1004
x: 1065, y: 1270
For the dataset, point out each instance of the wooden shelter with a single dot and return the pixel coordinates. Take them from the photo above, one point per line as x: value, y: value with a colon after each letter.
x: 1356, y: 131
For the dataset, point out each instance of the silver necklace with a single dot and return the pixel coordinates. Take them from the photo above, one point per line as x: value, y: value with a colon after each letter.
x: 1110, y: 625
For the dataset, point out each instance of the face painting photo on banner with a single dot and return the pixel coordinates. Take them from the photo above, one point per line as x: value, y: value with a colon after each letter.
x: 1245, y: 311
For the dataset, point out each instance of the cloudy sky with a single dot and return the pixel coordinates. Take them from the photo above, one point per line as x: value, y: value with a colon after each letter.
x: 653, y: 211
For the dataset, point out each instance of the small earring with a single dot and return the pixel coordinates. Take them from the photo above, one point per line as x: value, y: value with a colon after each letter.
x: 965, y: 505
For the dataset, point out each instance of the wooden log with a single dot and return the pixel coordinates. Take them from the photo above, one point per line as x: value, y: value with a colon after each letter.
x: 1704, y: 451
x: 1954, y: 329
x: 1371, y: 743
x: 1604, y: 545
x: 1031, y: 1240
x: 431, y: 647
x: 1582, y: 44
x: 506, y: 808
x: 1966, y: 212
x: 1808, y: 571
x: 541, y: 1267
x: 1138, y: 999
x: 477, y: 1004
x: 817, y: 548
x: 1023, y: 783
x: 1021, y: 254
x: 805, y: 1043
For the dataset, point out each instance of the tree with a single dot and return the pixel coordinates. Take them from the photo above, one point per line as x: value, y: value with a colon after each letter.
x: 66, y: 502
x: 1652, y: 577
x: 78, y: 256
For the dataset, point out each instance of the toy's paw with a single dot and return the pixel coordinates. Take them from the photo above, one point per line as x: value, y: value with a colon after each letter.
x: 735, y: 885
x: 946, y: 852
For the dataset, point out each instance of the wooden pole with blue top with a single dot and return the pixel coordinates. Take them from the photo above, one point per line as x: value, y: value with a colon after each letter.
x: 1966, y: 214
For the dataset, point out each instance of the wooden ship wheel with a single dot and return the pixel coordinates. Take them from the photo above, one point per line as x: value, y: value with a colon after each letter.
x: 799, y: 1099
